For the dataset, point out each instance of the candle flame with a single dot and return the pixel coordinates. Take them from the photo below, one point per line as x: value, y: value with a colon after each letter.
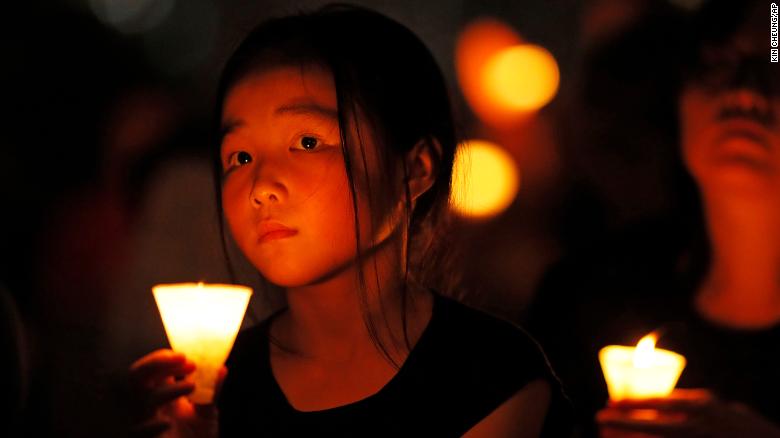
x: 645, y: 351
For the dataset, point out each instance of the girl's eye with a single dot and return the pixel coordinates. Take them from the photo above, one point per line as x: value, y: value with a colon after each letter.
x: 239, y: 158
x: 309, y: 143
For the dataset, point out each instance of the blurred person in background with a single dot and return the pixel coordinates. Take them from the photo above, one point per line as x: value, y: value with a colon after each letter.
x: 706, y: 274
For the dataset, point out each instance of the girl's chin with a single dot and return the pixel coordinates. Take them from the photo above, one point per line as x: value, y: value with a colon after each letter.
x: 289, y: 278
x: 739, y: 176
x: 303, y: 275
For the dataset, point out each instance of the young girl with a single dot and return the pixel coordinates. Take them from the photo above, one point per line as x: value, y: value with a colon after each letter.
x: 337, y: 144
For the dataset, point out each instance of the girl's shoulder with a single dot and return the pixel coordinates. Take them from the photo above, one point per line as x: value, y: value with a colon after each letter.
x: 483, y: 341
x: 469, y: 362
x: 458, y: 337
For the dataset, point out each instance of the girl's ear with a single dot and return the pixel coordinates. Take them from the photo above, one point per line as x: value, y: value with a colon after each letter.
x: 422, y: 166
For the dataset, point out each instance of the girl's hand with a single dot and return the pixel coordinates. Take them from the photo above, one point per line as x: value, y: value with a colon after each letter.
x: 685, y: 413
x: 159, y: 381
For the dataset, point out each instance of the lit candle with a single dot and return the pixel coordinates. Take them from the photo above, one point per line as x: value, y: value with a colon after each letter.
x: 202, y: 321
x: 640, y: 372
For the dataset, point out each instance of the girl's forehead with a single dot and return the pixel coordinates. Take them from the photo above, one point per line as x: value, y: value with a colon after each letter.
x: 278, y: 87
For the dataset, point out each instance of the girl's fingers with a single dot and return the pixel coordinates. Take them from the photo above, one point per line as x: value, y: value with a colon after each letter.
x: 151, y: 428
x: 155, y: 367
x: 655, y: 427
x: 687, y: 406
x: 648, y: 420
x: 168, y: 393
x: 689, y: 401
x: 220, y: 378
x: 206, y: 412
x: 155, y: 356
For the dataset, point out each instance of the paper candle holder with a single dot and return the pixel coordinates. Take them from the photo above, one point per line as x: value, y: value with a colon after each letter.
x: 640, y: 372
x: 202, y: 321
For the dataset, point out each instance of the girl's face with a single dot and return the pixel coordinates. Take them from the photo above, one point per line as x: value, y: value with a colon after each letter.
x: 283, y: 166
x: 729, y: 117
x: 731, y: 139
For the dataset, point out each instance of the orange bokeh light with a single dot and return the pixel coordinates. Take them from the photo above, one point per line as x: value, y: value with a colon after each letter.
x: 521, y: 78
x: 502, y: 78
x: 479, y: 41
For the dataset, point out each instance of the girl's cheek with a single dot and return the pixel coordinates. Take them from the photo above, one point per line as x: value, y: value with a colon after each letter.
x: 234, y: 205
x: 326, y: 180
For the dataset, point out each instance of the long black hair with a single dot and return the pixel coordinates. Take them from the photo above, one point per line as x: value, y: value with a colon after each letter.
x: 383, y: 70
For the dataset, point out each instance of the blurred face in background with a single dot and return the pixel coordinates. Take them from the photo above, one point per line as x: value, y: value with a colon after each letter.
x: 729, y: 107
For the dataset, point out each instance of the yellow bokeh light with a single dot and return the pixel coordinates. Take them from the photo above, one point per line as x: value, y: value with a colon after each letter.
x: 521, y: 78
x: 485, y: 179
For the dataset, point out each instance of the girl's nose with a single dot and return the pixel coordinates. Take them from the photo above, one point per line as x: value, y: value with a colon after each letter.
x: 266, y: 189
x: 264, y: 197
x: 266, y: 194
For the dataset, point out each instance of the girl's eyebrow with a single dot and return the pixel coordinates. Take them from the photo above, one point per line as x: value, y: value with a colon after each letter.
x: 229, y: 126
x: 295, y: 108
x: 307, y: 108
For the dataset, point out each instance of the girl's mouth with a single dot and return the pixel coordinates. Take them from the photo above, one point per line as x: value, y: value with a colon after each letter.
x: 271, y: 230
x: 747, y: 106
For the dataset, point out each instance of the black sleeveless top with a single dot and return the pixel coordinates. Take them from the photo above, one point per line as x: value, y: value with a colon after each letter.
x: 465, y: 364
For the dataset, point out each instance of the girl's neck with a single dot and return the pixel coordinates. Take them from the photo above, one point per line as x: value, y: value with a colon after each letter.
x: 742, y: 286
x: 326, y: 321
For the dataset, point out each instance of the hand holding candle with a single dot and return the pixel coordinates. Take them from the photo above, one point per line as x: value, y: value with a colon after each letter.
x: 641, y: 383
x: 640, y: 372
x: 202, y: 322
